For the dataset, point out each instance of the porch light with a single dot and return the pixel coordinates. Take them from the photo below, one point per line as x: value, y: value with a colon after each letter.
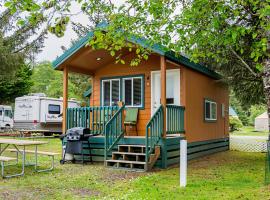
x: 98, y: 58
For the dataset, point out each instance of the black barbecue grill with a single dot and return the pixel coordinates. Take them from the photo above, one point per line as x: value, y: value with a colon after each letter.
x: 75, y: 139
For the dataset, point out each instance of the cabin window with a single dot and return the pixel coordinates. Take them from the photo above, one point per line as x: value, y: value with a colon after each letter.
x: 110, y: 92
x: 210, y: 110
x: 132, y: 91
x: 54, y: 109
x: 1, y: 112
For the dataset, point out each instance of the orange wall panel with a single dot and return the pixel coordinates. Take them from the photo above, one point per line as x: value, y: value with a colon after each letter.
x: 194, y: 87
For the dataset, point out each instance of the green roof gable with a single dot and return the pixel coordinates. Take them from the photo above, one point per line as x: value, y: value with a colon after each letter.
x: 156, y: 48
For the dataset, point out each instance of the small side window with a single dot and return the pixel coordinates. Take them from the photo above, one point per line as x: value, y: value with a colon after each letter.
x: 54, y: 109
x: 210, y: 110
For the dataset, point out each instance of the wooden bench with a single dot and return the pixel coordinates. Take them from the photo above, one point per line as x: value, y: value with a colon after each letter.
x: 4, y: 159
x: 44, y: 153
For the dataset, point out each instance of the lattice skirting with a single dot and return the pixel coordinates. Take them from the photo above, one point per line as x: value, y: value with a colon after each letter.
x: 248, y: 143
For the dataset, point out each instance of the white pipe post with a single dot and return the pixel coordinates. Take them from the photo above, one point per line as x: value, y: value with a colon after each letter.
x: 183, y: 163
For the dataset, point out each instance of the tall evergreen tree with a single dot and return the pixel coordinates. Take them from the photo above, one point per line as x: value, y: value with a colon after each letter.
x: 18, y: 46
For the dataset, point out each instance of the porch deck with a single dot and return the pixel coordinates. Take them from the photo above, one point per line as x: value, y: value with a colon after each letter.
x: 170, y: 148
x: 108, y: 123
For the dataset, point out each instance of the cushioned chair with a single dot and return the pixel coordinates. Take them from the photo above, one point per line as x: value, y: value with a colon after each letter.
x: 131, y: 118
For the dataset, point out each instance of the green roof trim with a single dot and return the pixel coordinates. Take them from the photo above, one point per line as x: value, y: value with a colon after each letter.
x: 195, y: 66
x: 88, y: 92
x: 159, y: 49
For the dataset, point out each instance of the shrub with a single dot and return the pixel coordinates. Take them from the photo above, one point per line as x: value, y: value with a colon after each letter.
x: 235, y: 124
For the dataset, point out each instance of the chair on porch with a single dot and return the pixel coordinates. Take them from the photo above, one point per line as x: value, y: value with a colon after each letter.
x: 131, y: 118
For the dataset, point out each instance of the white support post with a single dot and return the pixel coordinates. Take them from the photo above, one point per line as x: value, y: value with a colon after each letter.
x: 183, y: 163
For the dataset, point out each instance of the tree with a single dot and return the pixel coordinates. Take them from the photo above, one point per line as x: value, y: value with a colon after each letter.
x: 242, y: 112
x: 18, y: 45
x: 231, y: 37
x: 49, y: 81
x: 12, y: 88
x: 46, y: 80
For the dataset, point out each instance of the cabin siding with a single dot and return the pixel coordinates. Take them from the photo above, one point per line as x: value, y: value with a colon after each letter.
x: 198, y: 87
x: 194, y: 87
x: 114, y: 70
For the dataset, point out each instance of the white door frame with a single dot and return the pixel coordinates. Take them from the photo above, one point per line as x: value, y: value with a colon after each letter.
x: 152, y: 85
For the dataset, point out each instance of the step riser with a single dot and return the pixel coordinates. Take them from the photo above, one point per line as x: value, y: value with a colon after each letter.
x: 129, y: 157
x: 131, y: 149
x: 117, y: 156
x: 129, y: 166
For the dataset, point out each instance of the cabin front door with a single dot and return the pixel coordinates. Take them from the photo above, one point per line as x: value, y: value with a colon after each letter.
x: 172, y: 88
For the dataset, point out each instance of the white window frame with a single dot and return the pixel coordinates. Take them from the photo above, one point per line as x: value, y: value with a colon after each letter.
x: 102, y: 89
x: 212, y: 103
x: 132, y: 97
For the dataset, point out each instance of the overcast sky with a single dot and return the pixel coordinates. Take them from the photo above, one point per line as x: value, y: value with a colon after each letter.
x: 52, y: 45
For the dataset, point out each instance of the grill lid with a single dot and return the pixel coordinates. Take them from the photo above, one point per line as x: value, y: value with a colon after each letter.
x: 78, y: 133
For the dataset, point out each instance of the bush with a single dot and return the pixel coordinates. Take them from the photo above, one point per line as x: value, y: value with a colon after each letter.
x: 235, y: 124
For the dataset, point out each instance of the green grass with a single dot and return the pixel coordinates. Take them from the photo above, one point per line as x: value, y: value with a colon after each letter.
x: 227, y: 175
x: 249, y: 131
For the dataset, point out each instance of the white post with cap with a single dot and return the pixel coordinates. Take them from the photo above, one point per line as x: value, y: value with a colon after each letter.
x: 183, y: 163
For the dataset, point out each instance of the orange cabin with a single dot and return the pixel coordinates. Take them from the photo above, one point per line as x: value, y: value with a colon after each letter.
x: 173, y: 97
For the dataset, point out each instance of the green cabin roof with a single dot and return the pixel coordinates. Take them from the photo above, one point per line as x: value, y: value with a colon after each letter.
x: 156, y: 48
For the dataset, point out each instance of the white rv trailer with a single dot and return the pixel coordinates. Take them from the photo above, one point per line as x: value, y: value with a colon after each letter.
x: 38, y: 112
x: 6, y: 120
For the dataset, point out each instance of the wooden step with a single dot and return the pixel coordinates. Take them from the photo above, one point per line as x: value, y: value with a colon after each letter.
x: 133, y: 145
x: 126, y: 161
x: 131, y: 148
x: 126, y: 164
x: 128, y: 153
x: 128, y: 156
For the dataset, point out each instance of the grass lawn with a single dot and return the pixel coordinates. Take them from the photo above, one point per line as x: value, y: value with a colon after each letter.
x: 249, y: 131
x: 226, y: 175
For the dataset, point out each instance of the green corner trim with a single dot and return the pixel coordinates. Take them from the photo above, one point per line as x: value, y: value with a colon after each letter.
x: 88, y: 92
x: 195, y: 66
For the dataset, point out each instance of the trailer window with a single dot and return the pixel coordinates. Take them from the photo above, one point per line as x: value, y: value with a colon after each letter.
x: 54, y: 109
x: 8, y: 113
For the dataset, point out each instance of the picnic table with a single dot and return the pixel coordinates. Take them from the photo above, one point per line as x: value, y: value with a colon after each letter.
x: 17, y: 144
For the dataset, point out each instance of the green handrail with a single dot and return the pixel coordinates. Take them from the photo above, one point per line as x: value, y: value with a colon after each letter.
x: 154, y: 132
x: 113, y: 131
x: 175, y: 119
x: 94, y: 118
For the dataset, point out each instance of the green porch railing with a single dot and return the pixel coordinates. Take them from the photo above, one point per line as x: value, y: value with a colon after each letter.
x: 94, y: 118
x: 154, y: 131
x: 113, y: 131
x: 175, y: 119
